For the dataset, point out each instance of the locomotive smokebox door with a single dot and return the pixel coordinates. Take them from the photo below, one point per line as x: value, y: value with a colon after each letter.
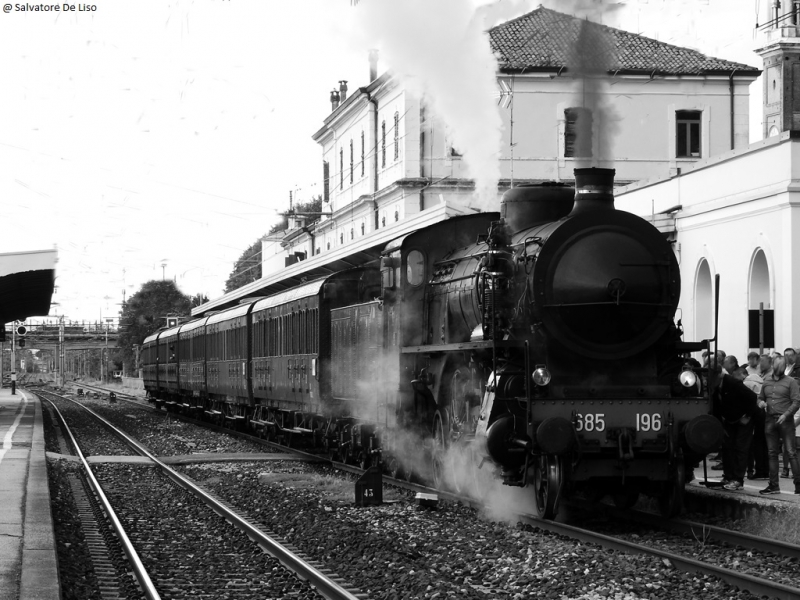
x: 369, y: 488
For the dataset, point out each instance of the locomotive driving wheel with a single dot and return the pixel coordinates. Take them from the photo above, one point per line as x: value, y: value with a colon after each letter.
x: 439, y: 453
x: 548, y: 479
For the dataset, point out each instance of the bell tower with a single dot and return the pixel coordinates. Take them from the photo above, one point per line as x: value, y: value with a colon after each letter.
x: 779, y: 48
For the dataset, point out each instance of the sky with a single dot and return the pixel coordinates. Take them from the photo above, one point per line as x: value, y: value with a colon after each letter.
x: 147, y: 139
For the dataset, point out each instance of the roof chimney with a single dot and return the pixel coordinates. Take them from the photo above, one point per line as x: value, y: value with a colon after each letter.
x: 373, y: 65
x: 334, y: 100
x: 343, y: 90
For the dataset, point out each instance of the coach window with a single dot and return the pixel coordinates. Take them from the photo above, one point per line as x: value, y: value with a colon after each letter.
x: 415, y: 267
x: 688, y: 133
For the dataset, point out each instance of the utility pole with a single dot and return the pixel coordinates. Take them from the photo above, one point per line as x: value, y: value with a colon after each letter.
x: 13, y: 359
x: 60, y: 357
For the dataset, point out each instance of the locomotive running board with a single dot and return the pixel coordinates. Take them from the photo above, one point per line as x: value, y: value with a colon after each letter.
x: 482, y: 345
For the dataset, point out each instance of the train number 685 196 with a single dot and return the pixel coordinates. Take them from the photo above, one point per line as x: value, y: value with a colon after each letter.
x: 648, y: 422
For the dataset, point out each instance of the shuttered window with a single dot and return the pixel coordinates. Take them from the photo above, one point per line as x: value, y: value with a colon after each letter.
x: 577, y: 132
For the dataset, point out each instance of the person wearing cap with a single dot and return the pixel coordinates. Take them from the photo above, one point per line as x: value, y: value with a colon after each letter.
x: 780, y: 398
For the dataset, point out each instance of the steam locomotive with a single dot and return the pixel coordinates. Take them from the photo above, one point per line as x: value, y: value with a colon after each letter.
x: 537, y: 344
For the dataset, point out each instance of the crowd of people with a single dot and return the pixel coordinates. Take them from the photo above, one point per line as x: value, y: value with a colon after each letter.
x: 757, y: 404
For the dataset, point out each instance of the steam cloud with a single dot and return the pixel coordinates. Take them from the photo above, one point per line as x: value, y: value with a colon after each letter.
x: 441, y: 52
x: 591, y: 59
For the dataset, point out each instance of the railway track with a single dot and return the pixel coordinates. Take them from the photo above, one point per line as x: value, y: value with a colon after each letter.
x: 708, y: 550
x: 228, y: 566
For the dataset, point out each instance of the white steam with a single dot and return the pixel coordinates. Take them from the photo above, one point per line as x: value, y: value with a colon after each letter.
x: 440, y: 50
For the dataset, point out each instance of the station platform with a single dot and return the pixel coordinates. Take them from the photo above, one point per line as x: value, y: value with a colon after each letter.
x: 28, y: 560
x: 752, y: 487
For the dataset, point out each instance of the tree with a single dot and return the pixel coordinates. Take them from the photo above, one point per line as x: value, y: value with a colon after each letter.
x: 143, y: 315
x: 197, y: 300
x: 248, y: 267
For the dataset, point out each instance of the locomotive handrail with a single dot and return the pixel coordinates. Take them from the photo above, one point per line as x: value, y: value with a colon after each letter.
x: 482, y: 345
x: 605, y: 303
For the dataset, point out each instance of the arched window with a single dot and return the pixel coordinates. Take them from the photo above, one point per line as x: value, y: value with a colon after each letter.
x: 703, y: 302
x: 341, y: 168
x: 759, y: 290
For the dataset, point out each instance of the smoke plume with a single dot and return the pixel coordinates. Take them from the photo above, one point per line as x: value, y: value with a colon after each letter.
x: 440, y: 50
x: 591, y: 59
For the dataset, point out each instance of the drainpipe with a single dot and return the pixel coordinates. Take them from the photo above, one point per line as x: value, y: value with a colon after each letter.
x: 730, y: 90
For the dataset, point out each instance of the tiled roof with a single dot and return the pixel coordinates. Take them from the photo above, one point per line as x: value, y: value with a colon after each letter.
x: 547, y: 39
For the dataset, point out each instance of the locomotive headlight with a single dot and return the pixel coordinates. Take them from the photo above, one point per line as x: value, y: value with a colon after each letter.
x: 688, y: 379
x: 541, y: 376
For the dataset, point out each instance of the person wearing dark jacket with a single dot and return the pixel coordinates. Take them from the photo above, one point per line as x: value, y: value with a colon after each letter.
x: 735, y: 405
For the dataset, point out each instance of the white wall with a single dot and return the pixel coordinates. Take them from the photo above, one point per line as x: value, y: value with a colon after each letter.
x: 733, y: 208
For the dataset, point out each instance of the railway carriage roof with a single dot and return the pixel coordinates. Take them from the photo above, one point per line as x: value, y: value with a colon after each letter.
x: 231, y: 313
x: 192, y: 325
x: 301, y: 291
x: 169, y: 332
x: 151, y: 338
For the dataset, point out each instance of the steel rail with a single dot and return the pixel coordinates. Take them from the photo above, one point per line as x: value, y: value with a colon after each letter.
x: 754, y: 585
x: 324, y: 585
x: 700, y: 531
x: 148, y: 588
x: 741, y: 580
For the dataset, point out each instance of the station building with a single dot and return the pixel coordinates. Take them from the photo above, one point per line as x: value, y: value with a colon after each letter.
x: 390, y: 166
x: 737, y: 215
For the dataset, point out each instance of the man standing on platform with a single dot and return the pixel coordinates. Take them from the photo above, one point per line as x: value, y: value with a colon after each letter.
x: 735, y: 405
x: 780, y: 397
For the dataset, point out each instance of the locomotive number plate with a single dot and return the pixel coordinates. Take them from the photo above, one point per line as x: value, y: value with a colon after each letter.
x: 648, y: 422
x: 590, y: 422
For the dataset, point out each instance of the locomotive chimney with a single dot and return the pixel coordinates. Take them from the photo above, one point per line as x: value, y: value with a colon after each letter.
x: 594, y: 190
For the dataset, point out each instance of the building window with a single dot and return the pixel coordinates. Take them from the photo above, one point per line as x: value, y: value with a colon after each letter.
x: 687, y: 133
x: 352, y: 233
x: 577, y: 132
x: 341, y: 238
x: 396, y: 215
x: 362, y: 229
x: 383, y: 143
x: 351, y: 161
x: 363, y: 148
x: 396, y: 135
x: 383, y: 221
x: 341, y: 169
x: 326, y: 174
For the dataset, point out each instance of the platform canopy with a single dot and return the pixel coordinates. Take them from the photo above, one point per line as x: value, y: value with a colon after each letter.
x: 27, y: 281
